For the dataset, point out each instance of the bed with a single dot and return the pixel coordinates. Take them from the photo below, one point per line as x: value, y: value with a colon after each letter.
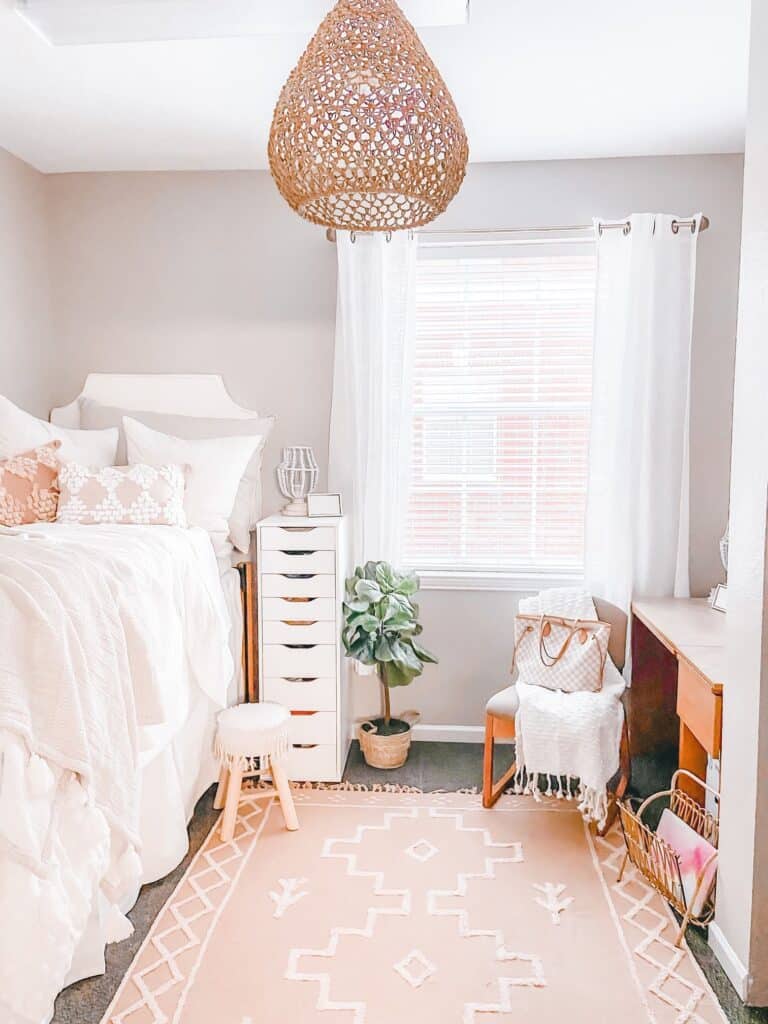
x: 177, y: 608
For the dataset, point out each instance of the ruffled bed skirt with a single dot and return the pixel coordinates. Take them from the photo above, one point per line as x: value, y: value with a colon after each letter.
x: 66, y: 879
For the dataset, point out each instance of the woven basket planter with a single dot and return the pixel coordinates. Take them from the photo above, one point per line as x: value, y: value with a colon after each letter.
x: 387, y: 751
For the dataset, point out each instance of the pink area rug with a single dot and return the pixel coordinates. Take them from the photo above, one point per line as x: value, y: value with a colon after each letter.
x: 406, y: 908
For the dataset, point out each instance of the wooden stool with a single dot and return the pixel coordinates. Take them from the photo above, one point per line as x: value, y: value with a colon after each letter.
x: 247, y: 732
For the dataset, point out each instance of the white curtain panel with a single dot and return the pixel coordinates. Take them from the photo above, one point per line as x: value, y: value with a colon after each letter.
x: 637, y: 507
x: 372, y: 412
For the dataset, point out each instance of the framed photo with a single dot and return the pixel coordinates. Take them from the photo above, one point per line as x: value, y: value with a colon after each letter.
x: 719, y: 598
x: 320, y: 505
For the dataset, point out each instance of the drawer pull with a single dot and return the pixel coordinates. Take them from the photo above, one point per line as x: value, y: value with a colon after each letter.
x: 297, y: 529
x: 299, y: 600
x: 299, y: 622
x: 305, y: 746
x: 301, y: 679
x: 300, y: 647
x: 296, y: 553
x: 303, y: 714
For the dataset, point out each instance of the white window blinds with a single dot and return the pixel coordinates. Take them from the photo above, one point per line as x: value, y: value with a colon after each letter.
x: 502, y: 390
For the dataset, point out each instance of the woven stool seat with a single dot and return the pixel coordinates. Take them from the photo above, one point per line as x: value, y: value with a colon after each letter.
x: 246, y: 734
x: 253, y: 730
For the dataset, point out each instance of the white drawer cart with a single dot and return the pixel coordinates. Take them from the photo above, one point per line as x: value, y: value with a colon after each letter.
x: 301, y: 566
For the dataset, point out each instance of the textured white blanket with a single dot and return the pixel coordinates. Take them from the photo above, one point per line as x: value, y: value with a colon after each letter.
x: 569, y: 738
x: 102, y: 630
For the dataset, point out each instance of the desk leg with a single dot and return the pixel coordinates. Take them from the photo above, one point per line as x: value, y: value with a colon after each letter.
x: 693, y: 757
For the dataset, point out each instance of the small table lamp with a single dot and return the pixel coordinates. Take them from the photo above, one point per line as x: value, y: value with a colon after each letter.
x: 297, y: 477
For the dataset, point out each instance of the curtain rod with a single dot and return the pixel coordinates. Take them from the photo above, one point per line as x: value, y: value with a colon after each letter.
x: 689, y: 222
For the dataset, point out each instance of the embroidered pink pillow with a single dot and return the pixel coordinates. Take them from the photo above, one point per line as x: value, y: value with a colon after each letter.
x: 138, y: 495
x: 29, y: 491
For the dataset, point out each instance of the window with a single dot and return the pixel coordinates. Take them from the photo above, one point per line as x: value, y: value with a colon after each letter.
x: 502, y: 390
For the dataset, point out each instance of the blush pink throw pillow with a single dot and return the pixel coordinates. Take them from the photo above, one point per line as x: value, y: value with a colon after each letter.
x: 138, y: 495
x: 29, y: 491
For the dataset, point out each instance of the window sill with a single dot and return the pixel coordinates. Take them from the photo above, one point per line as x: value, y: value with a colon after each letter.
x: 517, y: 582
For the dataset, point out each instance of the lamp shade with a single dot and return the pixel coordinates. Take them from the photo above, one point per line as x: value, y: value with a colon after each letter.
x: 366, y: 136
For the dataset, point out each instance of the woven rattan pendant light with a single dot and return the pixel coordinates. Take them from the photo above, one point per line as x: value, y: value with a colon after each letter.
x: 366, y: 136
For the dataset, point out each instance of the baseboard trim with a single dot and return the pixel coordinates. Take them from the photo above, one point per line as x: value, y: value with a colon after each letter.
x: 425, y: 733
x: 729, y: 961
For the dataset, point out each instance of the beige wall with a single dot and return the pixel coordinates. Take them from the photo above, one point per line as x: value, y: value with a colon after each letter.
x: 25, y: 374
x: 212, y: 272
x: 197, y: 272
x: 740, y: 932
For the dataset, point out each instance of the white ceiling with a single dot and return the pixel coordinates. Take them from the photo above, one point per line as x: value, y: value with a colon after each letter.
x: 533, y: 79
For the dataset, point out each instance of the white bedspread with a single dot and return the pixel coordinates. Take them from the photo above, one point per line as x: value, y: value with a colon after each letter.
x: 104, y: 632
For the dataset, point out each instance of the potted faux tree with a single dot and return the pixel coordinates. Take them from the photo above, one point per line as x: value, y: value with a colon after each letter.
x: 380, y: 629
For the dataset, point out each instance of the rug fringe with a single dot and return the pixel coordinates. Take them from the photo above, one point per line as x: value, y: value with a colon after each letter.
x: 341, y: 787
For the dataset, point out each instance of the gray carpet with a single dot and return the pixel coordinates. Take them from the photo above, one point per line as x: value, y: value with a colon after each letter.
x: 430, y: 767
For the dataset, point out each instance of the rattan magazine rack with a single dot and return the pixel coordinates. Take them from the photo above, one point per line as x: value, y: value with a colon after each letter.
x: 655, y: 859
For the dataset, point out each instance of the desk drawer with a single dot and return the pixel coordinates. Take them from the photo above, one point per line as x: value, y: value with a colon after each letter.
x: 304, y: 561
x: 699, y: 708
x: 315, y: 727
x: 314, y: 763
x: 302, y: 693
x: 294, y: 631
x: 314, y: 609
x: 290, y: 662
x: 300, y: 585
x: 298, y: 538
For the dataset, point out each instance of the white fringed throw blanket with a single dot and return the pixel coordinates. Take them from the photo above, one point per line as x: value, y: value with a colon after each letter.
x: 567, y: 739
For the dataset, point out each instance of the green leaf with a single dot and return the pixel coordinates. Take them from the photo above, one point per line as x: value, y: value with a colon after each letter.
x: 385, y: 576
x: 408, y: 585
x: 396, y: 675
x: 423, y: 653
x: 381, y: 622
x: 383, y: 650
x: 367, y: 590
x: 363, y: 650
x: 399, y: 604
x: 405, y: 656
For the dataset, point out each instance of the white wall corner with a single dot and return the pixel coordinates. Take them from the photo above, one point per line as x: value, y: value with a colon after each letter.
x: 730, y: 962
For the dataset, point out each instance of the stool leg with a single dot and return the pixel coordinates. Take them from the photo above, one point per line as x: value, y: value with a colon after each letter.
x: 229, y: 816
x: 221, y: 789
x: 283, y: 788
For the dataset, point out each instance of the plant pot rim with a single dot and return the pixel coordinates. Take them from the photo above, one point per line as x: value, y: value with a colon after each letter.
x: 373, y: 725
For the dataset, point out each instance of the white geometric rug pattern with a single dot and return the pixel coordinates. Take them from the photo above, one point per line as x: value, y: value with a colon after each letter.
x: 415, y: 968
x: 214, y: 868
x: 650, y: 930
x: 674, y: 989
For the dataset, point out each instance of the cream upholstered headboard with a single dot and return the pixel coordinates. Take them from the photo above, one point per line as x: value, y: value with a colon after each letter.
x: 183, y: 394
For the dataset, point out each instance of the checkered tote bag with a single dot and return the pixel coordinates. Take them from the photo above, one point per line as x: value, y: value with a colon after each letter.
x: 561, y: 654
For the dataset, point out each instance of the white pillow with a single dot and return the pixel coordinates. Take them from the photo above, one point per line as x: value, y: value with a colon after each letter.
x: 214, y: 470
x: 247, y: 510
x: 20, y: 432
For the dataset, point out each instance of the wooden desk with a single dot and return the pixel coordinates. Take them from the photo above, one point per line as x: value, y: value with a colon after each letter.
x: 678, y: 677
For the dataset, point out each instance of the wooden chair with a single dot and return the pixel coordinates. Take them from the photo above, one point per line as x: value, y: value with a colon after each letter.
x: 500, y: 722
